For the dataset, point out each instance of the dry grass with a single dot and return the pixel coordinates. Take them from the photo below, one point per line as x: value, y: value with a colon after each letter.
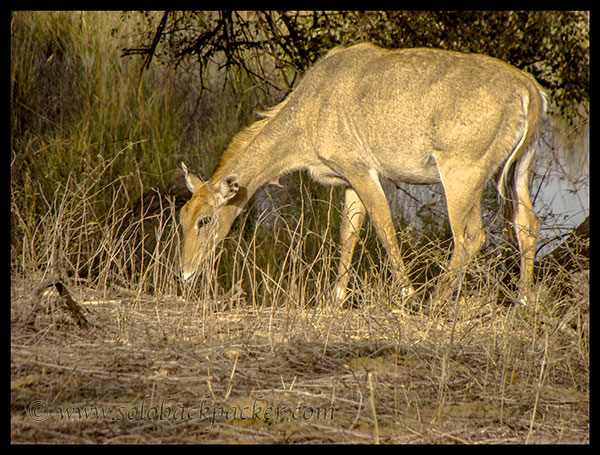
x: 267, y: 358
x: 501, y: 376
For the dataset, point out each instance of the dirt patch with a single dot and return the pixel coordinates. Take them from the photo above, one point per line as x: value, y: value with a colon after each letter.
x: 170, y: 370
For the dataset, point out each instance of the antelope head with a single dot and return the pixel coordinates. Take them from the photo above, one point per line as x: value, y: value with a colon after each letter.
x: 206, y: 218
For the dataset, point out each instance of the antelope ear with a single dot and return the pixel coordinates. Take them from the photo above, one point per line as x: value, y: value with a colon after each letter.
x: 229, y: 187
x: 192, y: 181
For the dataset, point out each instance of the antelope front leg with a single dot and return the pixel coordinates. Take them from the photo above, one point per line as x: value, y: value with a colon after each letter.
x: 353, y: 218
x: 368, y: 188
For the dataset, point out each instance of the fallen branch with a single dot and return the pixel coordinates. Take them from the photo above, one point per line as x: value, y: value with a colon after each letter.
x: 69, y: 304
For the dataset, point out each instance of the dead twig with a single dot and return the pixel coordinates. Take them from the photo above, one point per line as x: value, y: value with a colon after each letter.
x: 69, y: 304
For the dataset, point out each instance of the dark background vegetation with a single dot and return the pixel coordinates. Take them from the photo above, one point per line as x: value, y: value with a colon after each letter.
x: 551, y: 45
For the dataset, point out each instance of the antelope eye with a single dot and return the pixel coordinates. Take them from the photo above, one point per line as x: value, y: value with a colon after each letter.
x: 202, y: 222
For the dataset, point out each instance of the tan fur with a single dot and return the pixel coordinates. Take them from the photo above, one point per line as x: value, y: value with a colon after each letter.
x: 411, y: 115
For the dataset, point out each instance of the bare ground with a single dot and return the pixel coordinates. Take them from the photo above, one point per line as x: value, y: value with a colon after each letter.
x: 167, y: 370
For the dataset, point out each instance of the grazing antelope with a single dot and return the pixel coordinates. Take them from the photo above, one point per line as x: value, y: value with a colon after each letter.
x: 417, y: 116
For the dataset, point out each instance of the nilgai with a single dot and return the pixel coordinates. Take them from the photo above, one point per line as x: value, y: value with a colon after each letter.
x: 363, y: 113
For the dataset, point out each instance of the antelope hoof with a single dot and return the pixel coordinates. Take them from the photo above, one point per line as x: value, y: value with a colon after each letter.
x: 406, y: 292
x: 339, y: 294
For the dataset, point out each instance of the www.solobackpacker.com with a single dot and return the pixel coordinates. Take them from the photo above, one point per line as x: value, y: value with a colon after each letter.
x: 152, y: 410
